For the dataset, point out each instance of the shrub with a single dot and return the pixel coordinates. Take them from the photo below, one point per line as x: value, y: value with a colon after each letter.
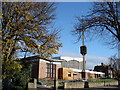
x: 101, y: 80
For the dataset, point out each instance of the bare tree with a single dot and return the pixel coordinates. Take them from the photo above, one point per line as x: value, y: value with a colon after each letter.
x: 115, y: 64
x: 103, y: 20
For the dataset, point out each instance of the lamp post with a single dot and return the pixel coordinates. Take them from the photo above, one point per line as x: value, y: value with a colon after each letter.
x: 83, y: 51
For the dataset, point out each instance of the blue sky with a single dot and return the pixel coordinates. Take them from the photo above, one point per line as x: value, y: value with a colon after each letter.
x: 66, y: 13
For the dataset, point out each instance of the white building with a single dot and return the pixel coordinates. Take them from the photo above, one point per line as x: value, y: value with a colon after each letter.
x: 70, y: 62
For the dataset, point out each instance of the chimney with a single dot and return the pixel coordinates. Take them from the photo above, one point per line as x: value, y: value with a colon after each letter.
x: 102, y: 64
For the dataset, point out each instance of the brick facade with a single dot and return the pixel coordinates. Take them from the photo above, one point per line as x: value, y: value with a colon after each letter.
x: 70, y: 74
x: 109, y: 71
x: 40, y: 70
x: 65, y: 74
x: 55, y: 69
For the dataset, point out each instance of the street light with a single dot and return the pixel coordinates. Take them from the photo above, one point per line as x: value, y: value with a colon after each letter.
x: 83, y: 51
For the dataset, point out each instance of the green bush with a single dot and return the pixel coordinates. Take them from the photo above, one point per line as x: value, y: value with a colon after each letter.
x: 61, y: 87
x: 42, y: 81
x: 100, y: 80
x: 19, y: 80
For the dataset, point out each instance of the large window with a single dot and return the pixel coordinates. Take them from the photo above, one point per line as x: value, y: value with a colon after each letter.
x: 51, y: 70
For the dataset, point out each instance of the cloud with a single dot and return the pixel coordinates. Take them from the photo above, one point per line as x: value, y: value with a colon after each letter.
x: 68, y: 53
x: 91, y: 60
x: 96, y: 58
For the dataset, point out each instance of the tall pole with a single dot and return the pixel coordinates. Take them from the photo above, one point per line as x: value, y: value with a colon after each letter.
x: 83, y: 52
x: 84, y: 62
x: 83, y: 55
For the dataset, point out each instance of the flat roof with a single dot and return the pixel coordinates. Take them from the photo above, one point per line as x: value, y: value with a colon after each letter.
x: 37, y: 56
x: 68, y: 58
x: 94, y: 72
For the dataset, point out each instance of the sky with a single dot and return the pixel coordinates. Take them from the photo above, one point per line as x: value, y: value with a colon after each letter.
x: 97, y: 51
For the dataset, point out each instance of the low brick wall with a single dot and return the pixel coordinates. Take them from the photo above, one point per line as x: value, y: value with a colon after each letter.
x: 95, y: 84
x: 99, y: 84
x: 74, y: 85
x: 32, y: 85
x: 90, y: 84
x: 111, y: 83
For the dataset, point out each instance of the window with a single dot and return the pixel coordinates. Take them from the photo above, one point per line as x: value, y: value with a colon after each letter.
x: 51, y: 70
x: 69, y: 74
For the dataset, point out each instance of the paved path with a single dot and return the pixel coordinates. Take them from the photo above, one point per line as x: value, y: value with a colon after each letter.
x: 40, y: 87
x: 114, y: 87
x: 97, y: 88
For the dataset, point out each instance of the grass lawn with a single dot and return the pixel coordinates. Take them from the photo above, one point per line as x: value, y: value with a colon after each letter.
x: 60, y: 86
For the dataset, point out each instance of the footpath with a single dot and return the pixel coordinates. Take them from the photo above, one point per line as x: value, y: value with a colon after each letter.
x: 97, y: 88
x: 103, y: 88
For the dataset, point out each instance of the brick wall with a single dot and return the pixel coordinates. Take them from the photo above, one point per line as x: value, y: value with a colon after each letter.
x: 90, y: 75
x: 65, y: 74
x: 57, y: 70
x: 42, y: 70
x: 77, y: 76
x: 73, y: 85
x: 91, y: 84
